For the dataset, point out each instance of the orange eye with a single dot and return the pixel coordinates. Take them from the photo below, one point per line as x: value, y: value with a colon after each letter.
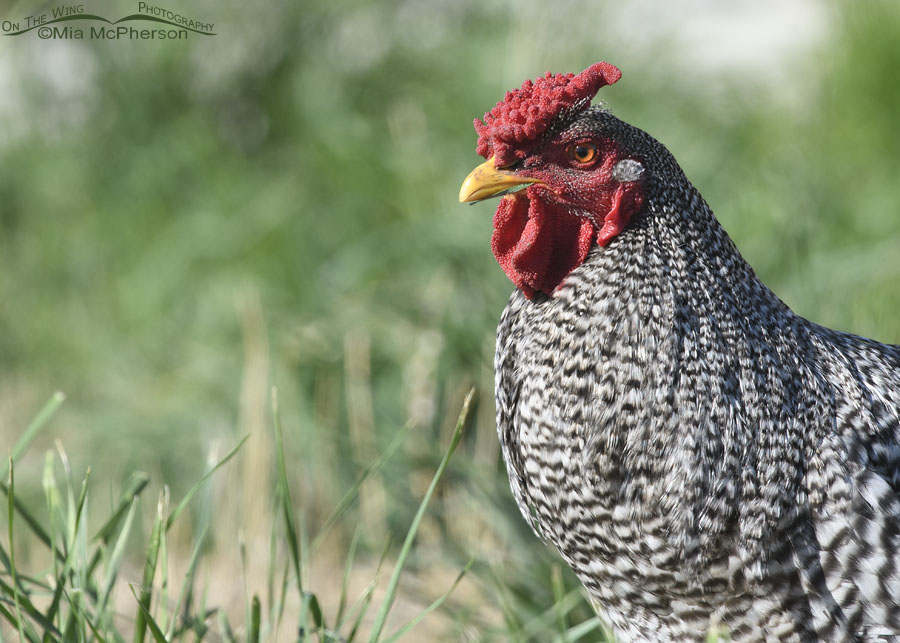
x: 583, y: 152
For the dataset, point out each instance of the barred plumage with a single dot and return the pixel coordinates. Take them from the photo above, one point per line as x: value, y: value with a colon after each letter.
x: 698, y: 453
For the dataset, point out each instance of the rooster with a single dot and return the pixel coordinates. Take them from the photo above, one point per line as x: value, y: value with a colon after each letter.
x: 701, y: 456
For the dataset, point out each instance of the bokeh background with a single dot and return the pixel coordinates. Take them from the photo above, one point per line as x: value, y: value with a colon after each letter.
x: 184, y: 225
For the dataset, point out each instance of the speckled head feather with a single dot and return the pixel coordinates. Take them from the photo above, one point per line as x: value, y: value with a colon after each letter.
x: 526, y: 113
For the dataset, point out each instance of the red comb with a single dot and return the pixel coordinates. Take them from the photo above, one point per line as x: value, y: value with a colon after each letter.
x: 526, y: 113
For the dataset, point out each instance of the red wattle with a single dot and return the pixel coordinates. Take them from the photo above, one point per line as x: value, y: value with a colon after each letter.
x: 537, y: 243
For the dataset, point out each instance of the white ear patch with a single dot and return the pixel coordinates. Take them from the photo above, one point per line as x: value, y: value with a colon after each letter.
x: 627, y: 170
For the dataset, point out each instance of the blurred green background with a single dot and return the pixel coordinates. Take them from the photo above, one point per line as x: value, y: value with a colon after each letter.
x: 185, y: 224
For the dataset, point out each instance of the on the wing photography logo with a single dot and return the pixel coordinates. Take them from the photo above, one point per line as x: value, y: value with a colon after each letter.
x: 71, y: 22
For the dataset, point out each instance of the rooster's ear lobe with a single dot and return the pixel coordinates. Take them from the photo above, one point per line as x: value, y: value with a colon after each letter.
x: 628, y: 170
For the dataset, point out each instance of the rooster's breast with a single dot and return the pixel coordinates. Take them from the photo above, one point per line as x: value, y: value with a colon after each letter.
x: 579, y: 377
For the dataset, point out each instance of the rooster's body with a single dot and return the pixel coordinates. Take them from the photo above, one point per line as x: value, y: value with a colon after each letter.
x: 700, y: 455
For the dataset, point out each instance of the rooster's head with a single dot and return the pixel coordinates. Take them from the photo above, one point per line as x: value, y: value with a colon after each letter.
x: 566, y: 181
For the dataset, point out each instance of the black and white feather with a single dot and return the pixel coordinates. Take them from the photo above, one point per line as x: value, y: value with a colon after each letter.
x: 698, y: 453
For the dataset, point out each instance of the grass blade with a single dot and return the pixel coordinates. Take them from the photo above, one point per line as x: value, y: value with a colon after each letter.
x: 28, y: 607
x: 345, y: 582
x: 10, y: 515
x: 544, y: 620
x: 135, y: 484
x: 434, y: 605
x: 279, y: 607
x: 558, y: 593
x: 253, y: 634
x: 7, y: 563
x: 52, y: 496
x: 39, y: 422
x: 190, y: 494
x: 11, y: 619
x: 381, y: 616
x: 510, y: 619
x: 116, y: 558
x: 576, y: 632
x: 312, y: 608
x: 94, y: 631
x: 163, y: 603
x: 76, y: 555
x: 287, y: 505
x: 188, y: 583
x: 157, y: 633
x: 362, y: 603
x: 141, y: 622
x: 353, y: 492
x: 30, y: 520
x: 225, y: 629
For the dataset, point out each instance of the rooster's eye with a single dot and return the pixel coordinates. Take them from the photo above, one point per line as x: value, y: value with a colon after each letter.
x: 583, y: 152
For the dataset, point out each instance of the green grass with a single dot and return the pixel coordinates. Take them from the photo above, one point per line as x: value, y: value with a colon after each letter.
x: 70, y: 599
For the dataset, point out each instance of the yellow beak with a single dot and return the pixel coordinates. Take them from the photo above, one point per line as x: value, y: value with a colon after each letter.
x: 486, y: 181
